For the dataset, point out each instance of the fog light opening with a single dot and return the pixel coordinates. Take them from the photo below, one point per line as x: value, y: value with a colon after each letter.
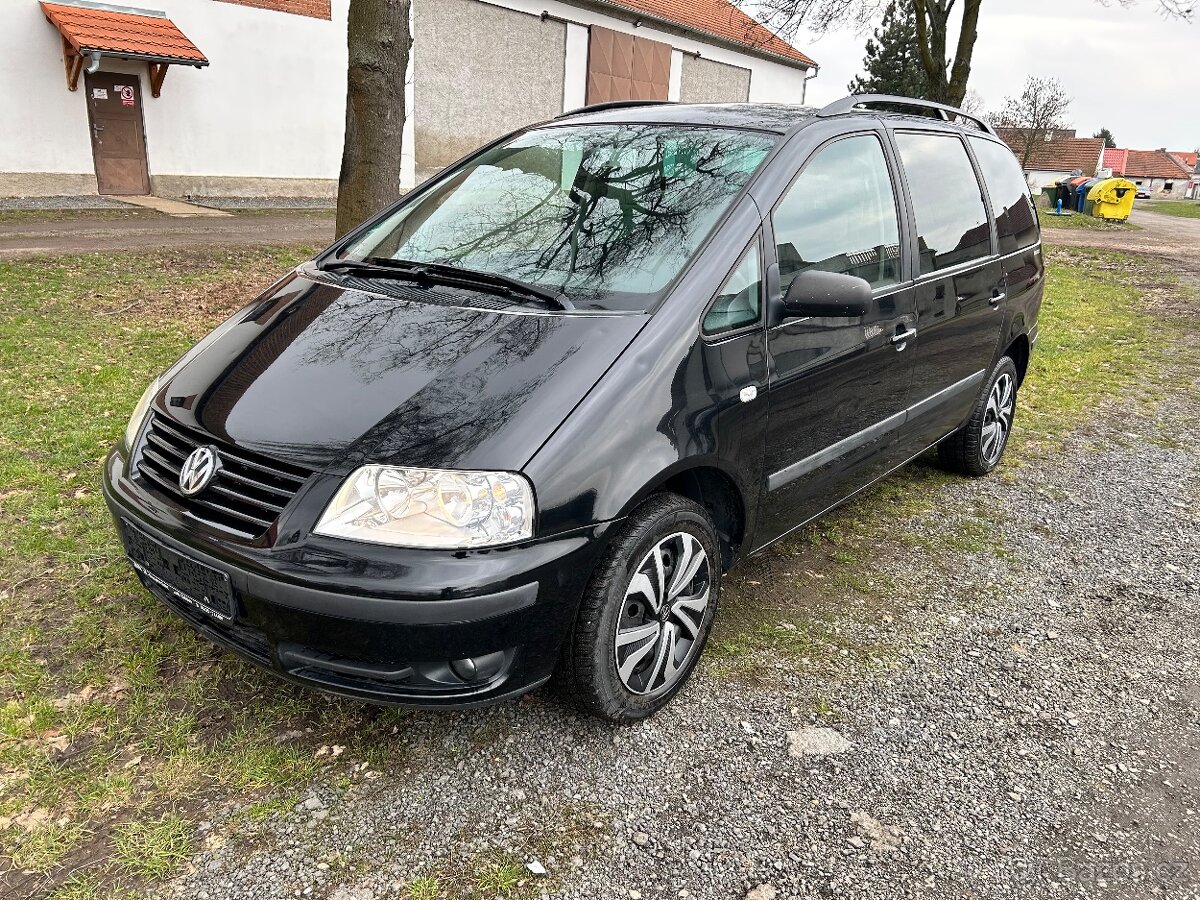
x: 478, y: 668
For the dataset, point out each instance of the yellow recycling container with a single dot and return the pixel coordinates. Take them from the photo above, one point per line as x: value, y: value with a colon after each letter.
x: 1112, y: 198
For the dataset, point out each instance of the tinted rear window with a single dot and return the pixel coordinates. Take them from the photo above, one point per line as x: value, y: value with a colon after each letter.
x: 1016, y: 222
x: 952, y: 224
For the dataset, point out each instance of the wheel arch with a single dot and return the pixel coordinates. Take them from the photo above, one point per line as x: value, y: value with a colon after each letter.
x: 1018, y: 351
x: 718, y: 492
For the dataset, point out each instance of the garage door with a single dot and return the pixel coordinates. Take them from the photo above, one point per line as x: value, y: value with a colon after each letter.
x: 624, y: 67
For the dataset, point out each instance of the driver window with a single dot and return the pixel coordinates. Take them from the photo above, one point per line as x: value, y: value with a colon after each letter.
x: 840, y: 215
x: 740, y: 300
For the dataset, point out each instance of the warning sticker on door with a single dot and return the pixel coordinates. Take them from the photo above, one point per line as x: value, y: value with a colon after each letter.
x: 99, y: 93
x: 126, y: 94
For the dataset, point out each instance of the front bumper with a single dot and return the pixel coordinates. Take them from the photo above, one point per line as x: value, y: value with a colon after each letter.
x: 380, y: 624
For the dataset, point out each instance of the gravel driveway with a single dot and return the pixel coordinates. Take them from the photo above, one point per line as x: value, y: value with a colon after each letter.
x: 1015, y: 715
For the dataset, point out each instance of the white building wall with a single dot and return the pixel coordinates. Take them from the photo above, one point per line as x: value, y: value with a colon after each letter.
x: 268, y: 113
x: 770, y: 82
x: 271, y: 104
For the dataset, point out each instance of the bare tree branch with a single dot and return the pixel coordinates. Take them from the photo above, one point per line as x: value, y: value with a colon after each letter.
x: 1039, y: 110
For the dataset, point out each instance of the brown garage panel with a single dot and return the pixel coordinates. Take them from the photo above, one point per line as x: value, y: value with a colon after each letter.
x: 624, y: 67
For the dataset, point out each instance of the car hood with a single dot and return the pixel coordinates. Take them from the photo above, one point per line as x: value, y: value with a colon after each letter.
x: 330, y: 377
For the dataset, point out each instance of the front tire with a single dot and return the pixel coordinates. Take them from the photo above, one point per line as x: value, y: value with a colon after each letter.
x: 646, y: 614
x: 977, y: 447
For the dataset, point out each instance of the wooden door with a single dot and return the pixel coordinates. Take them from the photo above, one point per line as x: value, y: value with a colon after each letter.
x: 624, y: 67
x: 118, y: 134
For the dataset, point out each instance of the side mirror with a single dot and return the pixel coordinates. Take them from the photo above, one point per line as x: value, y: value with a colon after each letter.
x: 817, y: 293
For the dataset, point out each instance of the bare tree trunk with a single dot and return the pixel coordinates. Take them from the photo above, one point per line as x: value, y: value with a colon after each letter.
x: 947, y: 82
x: 379, y: 41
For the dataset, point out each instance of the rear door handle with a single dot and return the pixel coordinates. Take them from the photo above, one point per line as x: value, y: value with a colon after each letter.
x: 997, y: 298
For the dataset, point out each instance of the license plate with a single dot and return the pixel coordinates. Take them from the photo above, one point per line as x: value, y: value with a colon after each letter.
x: 184, y: 579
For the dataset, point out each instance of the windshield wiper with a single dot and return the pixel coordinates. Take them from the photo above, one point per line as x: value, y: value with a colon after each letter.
x: 454, y: 276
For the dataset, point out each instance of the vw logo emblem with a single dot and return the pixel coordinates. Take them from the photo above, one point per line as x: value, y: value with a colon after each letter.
x: 198, y: 471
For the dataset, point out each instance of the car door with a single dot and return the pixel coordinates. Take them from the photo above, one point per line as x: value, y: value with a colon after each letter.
x: 1017, y: 236
x: 959, y: 283
x: 838, y: 385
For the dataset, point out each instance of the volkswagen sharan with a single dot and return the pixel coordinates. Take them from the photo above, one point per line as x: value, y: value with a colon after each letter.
x: 518, y: 425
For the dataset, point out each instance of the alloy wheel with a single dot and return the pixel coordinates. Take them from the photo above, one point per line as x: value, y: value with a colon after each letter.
x: 662, y: 613
x: 997, y: 418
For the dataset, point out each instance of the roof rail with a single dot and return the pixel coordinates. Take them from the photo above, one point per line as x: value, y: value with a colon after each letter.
x: 857, y: 101
x: 612, y: 104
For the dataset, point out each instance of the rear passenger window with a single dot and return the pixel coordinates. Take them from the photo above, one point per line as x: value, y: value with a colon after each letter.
x: 952, y: 224
x: 1016, y: 222
x: 840, y: 215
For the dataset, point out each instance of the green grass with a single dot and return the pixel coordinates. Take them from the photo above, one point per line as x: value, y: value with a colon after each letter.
x: 1077, y: 220
x: 34, y: 216
x: 1187, y: 209
x: 119, y: 727
x: 424, y: 888
x: 153, y: 849
x: 112, y: 714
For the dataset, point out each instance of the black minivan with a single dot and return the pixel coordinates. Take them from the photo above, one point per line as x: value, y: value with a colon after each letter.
x: 518, y: 424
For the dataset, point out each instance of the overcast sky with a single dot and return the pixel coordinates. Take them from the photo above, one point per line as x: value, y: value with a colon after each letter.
x: 1127, y: 69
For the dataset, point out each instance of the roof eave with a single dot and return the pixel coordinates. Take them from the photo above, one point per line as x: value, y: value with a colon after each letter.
x: 146, y: 57
x: 706, y: 37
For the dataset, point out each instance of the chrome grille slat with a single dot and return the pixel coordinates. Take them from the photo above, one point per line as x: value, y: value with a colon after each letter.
x: 250, y: 482
x: 228, y: 454
x: 246, y: 496
x: 276, y: 508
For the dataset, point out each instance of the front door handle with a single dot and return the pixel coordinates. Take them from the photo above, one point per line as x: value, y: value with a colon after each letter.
x: 901, y: 340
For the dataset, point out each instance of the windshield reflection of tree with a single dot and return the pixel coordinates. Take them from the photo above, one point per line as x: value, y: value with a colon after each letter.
x: 462, y: 353
x: 626, y: 219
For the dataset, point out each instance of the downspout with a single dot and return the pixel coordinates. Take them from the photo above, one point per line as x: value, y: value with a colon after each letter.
x: 94, y: 66
x: 804, y: 89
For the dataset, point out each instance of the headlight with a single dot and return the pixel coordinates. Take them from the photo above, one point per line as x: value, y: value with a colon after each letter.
x: 139, y: 414
x: 430, y: 508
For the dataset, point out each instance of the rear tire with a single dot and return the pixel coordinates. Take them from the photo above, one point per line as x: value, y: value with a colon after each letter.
x: 646, y: 614
x: 977, y: 448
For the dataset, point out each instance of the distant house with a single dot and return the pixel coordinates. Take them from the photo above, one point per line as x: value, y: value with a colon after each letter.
x: 1154, y: 171
x: 1056, y: 155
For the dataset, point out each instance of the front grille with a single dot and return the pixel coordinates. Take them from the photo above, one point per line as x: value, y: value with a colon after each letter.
x: 246, y: 496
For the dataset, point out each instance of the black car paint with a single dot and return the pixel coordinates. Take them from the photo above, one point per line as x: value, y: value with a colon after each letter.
x: 598, y: 410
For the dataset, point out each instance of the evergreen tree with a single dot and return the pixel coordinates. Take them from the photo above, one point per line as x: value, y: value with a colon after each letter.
x: 892, y: 63
x: 1109, y: 140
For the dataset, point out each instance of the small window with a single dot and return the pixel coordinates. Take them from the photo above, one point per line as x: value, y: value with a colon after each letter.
x: 740, y: 301
x: 1169, y: 186
x: 1016, y: 222
x: 952, y: 224
x: 840, y: 215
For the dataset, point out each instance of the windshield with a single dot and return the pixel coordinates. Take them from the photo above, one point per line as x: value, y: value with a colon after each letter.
x: 605, y: 214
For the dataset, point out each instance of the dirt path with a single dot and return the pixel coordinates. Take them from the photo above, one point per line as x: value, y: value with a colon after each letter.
x: 87, y: 234
x: 1172, y: 238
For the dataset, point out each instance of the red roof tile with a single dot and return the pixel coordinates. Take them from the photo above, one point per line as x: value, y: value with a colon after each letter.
x: 719, y: 18
x: 1059, y: 156
x: 1188, y: 158
x: 1115, y: 159
x: 1152, y: 164
x: 142, y: 35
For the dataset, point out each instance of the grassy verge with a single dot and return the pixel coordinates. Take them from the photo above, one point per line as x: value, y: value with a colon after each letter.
x: 1187, y: 209
x: 1080, y: 221
x: 34, y: 216
x: 121, y: 732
